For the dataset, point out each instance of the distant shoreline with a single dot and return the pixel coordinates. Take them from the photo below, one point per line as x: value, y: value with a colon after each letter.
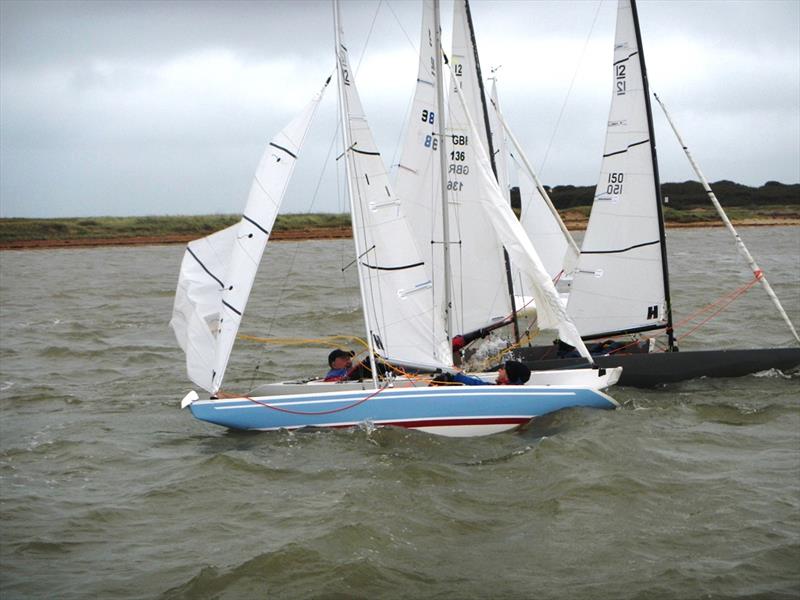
x: 316, y: 233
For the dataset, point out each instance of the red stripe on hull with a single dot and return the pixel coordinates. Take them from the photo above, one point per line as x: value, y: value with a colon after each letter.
x: 426, y: 423
x: 458, y: 422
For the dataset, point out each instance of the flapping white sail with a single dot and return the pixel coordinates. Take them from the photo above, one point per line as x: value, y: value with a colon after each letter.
x: 619, y: 284
x: 540, y: 222
x: 396, y: 286
x: 551, y: 312
x: 217, y: 271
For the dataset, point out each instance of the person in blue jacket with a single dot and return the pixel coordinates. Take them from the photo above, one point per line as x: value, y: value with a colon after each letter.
x: 341, y: 364
x: 511, y: 372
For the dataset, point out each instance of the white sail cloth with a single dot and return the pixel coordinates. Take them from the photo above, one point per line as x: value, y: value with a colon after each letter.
x: 479, y: 289
x: 217, y: 271
x: 197, y: 307
x: 396, y: 285
x: 480, y: 292
x: 543, y: 227
x: 417, y: 181
x: 551, y: 312
x: 619, y: 283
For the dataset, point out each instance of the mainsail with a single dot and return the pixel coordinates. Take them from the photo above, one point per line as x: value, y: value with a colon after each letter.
x: 217, y: 271
x: 620, y: 284
x: 478, y: 281
x: 396, y: 286
x: 481, y: 295
x: 417, y: 182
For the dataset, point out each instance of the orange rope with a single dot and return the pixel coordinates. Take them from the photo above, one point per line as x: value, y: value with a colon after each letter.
x: 730, y: 298
x: 723, y: 300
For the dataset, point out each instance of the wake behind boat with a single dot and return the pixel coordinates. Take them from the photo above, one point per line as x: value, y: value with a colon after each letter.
x: 407, y: 319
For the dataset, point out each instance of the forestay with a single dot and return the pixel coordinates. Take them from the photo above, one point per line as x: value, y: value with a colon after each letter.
x: 619, y: 284
x: 396, y: 285
x: 217, y: 271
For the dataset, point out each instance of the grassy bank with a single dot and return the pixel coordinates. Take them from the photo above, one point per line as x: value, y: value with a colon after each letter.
x: 170, y: 228
x: 12, y: 230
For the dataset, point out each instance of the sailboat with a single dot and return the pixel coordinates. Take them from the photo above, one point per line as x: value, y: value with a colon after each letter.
x: 620, y: 285
x: 406, y: 322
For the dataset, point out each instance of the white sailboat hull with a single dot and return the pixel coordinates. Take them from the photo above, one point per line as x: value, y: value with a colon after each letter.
x: 453, y: 411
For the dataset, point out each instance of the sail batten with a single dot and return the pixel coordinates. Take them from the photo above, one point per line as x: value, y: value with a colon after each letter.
x: 218, y: 271
x: 400, y: 323
x: 620, y: 282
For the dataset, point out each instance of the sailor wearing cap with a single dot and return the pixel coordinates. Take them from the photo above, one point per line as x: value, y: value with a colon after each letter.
x: 341, y: 364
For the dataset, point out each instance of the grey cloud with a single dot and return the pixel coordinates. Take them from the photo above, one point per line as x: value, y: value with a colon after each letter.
x: 88, y: 125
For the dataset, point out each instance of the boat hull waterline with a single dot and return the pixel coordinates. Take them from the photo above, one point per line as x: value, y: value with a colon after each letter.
x: 450, y: 411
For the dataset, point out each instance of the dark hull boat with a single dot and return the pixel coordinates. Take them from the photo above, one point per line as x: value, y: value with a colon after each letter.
x: 620, y: 286
x: 657, y: 368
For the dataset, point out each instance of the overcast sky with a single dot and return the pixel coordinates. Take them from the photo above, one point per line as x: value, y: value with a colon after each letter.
x: 145, y: 108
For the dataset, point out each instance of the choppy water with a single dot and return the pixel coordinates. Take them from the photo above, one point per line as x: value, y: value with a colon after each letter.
x: 108, y: 490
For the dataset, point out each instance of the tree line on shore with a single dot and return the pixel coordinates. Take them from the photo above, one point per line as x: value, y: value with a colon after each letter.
x: 690, y: 194
x: 687, y: 203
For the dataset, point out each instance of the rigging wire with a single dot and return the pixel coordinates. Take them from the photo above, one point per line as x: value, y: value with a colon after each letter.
x: 569, y: 90
x: 282, y: 289
x: 407, y: 116
x: 290, y: 272
x: 723, y: 303
x: 400, y: 24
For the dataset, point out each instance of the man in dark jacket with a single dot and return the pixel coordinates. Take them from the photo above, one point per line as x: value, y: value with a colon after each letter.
x: 511, y: 372
x: 341, y: 364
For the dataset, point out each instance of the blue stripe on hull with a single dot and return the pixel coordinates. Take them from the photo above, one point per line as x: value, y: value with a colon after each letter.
x: 408, y: 407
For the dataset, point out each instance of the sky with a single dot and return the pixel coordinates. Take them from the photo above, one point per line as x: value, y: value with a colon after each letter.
x: 164, y: 108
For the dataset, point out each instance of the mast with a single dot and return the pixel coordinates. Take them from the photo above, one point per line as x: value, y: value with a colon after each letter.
x: 448, y: 291
x: 656, y: 180
x: 490, y: 150
x: 343, y: 79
